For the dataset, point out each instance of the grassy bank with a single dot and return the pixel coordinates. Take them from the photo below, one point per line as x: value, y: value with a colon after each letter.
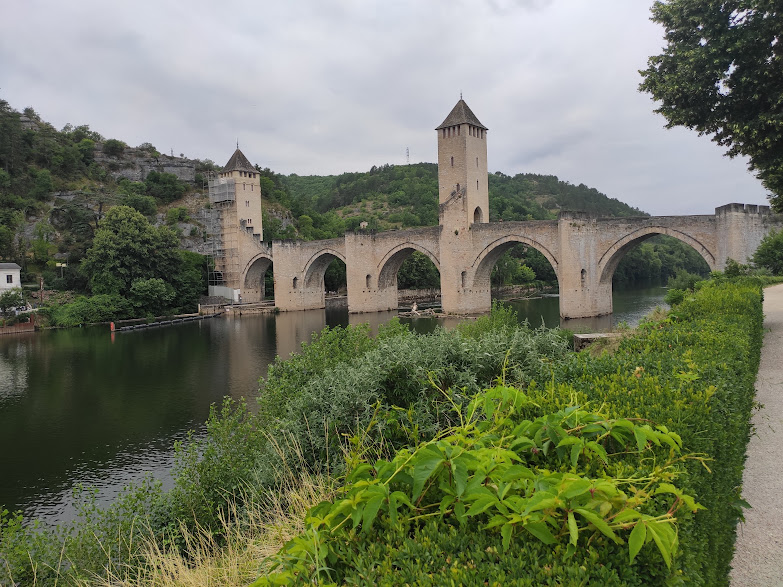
x: 413, y: 464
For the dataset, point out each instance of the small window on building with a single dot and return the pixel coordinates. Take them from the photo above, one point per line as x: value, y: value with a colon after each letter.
x: 247, y: 203
x: 452, y: 161
x: 251, y: 187
x: 368, y: 279
x: 296, y: 281
x: 477, y: 184
x: 476, y: 161
x: 464, y: 275
x: 9, y: 278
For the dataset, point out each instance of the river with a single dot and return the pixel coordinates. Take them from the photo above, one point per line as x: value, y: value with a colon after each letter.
x: 82, y: 406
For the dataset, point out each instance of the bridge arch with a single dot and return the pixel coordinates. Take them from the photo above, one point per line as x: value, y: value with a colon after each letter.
x: 614, y: 254
x: 487, y: 258
x: 393, y: 260
x: 315, y: 268
x: 253, y: 277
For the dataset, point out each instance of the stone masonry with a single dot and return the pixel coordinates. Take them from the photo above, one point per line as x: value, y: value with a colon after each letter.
x: 584, y: 250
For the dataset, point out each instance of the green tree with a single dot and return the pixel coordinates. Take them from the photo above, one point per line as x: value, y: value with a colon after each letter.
x: 114, y: 148
x: 43, y: 185
x: 151, y: 296
x: 164, y: 187
x: 720, y: 75
x: 770, y: 252
x: 11, y: 299
x: 127, y: 247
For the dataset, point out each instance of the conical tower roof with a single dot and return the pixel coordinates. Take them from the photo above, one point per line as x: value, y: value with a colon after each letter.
x: 238, y: 162
x: 461, y: 114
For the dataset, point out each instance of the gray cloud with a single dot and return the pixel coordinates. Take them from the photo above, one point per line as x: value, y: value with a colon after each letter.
x: 329, y: 86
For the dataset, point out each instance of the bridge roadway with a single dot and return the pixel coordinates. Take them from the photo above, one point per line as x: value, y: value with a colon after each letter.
x: 584, y: 252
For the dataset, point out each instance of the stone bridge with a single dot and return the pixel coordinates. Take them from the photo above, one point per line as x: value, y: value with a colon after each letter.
x: 583, y: 250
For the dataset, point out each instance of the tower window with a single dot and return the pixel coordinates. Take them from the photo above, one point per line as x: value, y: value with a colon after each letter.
x: 476, y: 161
x: 452, y: 161
x: 477, y: 184
x: 296, y: 282
x: 463, y: 276
x: 368, y: 280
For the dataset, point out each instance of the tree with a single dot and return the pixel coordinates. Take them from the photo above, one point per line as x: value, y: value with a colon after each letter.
x: 164, y: 186
x: 721, y: 74
x: 770, y: 252
x: 10, y: 299
x: 127, y: 247
x: 114, y: 148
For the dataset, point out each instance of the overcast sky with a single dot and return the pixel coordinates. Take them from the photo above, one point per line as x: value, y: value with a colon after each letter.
x: 327, y: 86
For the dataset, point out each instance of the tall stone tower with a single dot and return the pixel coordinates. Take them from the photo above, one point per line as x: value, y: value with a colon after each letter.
x: 235, y: 196
x: 247, y: 190
x: 462, y: 169
x: 464, y: 202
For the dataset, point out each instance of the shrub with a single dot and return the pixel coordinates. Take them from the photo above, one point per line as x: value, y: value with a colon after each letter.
x: 693, y: 373
x: 770, y: 252
x: 114, y: 148
x: 90, y: 310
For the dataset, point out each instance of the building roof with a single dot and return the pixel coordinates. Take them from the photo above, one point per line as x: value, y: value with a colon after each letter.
x: 238, y: 162
x: 7, y: 266
x: 461, y: 114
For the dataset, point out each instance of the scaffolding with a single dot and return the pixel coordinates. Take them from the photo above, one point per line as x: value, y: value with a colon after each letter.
x: 222, y: 230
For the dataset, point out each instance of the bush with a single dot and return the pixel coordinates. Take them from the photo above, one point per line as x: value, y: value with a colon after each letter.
x: 144, y: 204
x: 770, y: 252
x: 91, y: 310
x: 174, y: 215
x: 398, y: 389
x: 114, y: 148
x: 164, y: 187
x: 693, y: 373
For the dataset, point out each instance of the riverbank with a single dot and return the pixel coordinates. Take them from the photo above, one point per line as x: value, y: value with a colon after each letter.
x: 758, y: 558
x: 358, y: 385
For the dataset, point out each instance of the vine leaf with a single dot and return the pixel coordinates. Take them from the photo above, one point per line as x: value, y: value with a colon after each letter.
x: 637, y: 538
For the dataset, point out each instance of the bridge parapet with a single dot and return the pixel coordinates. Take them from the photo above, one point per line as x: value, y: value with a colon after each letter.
x: 742, y: 209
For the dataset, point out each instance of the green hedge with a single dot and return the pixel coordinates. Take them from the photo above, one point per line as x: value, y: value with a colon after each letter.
x: 692, y: 374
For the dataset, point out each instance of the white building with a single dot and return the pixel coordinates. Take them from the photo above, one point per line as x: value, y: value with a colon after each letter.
x: 10, y: 276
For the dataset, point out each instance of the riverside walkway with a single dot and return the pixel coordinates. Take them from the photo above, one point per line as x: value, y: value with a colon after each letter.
x: 758, y: 559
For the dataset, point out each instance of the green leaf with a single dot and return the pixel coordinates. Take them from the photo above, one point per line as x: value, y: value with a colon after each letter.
x: 460, y: 476
x: 371, y: 512
x: 482, y: 504
x: 516, y: 472
x: 576, y: 488
x: 636, y: 540
x: 425, y: 466
x: 641, y: 438
x: 576, y: 450
x: 505, y: 532
x: 664, y: 540
x: 573, y: 529
x: 599, y: 523
x: 446, y: 503
x: 541, y: 531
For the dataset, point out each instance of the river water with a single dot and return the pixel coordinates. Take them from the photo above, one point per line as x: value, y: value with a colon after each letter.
x: 83, y: 406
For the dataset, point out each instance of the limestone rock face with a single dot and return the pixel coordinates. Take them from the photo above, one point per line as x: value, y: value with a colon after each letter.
x: 136, y: 164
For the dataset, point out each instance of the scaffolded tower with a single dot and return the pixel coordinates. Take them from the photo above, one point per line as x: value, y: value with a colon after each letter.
x: 235, y: 199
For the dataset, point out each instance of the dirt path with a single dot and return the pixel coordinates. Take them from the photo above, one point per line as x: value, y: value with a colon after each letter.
x: 758, y: 560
